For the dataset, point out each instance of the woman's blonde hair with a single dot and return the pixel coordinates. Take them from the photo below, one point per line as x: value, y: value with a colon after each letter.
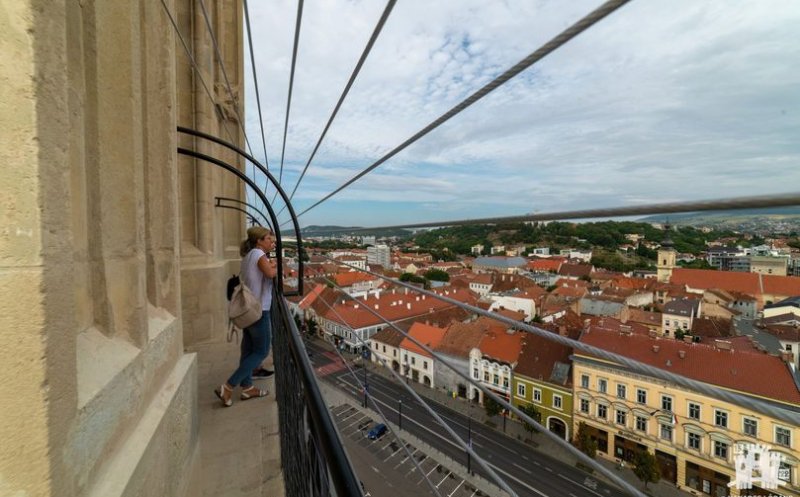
x: 254, y: 234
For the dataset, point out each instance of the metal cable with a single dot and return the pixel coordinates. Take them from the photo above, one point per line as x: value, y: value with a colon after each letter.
x: 386, y: 11
x: 225, y: 74
x: 291, y: 85
x: 586, y: 22
x: 416, y: 396
x: 713, y: 391
x: 258, y: 95
x: 380, y: 411
x: 197, y: 69
x: 754, y: 202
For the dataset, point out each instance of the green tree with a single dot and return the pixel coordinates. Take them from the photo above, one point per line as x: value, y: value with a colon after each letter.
x: 585, y: 442
x: 412, y: 278
x: 437, y: 275
x: 646, y: 468
x: 311, y: 327
x: 492, y: 407
x: 534, y: 413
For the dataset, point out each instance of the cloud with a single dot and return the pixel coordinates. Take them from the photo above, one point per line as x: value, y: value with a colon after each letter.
x: 662, y: 100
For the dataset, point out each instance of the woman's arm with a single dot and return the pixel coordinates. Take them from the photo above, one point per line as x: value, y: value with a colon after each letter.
x: 267, y: 266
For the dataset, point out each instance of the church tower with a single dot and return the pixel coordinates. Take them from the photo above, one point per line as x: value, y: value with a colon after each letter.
x: 666, y: 257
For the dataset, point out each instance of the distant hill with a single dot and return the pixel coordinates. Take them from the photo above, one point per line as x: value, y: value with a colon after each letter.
x: 318, y: 230
x: 728, y: 218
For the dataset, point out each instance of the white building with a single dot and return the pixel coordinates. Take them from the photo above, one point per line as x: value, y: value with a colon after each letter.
x: 379, y: 254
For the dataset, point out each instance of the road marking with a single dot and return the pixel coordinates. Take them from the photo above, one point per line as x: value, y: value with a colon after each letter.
x: 445, y: 477
x: 572, y: 495
x: 454, y: 491
x: 393, y: 453
x: 548, y: 469
x: 537, y: 463
x: 523, y: 468
x: 405, y: 458
x: 473, y: 493
x: 583, y: 485
x: 375, y: 469
x: 350, y: 416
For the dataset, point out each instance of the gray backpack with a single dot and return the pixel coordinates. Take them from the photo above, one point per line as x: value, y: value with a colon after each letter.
x: 244, y: 308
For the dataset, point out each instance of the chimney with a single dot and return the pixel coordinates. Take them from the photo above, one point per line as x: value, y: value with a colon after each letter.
x: 376, y: 307
x: 669, y: 363
x: 417, y: 299
x: 423, y: 297
x: 562, y: 330
x: 682, y: 354
x: 687, y: 338
x: 408, y: 306
x: 655, y: 348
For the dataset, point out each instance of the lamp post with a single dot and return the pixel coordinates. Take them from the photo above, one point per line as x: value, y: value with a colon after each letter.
x: 399, y: 414
x: 366, y: 386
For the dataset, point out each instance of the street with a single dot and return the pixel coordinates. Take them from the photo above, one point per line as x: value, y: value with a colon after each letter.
x: 527, y: 472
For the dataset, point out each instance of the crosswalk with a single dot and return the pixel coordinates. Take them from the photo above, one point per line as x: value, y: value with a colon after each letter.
x: 333, y: 367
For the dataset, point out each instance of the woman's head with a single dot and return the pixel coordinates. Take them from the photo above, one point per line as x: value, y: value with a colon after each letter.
x: 257, y: 236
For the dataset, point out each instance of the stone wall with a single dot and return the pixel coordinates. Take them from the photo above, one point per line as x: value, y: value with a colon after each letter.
x: 101, y: 223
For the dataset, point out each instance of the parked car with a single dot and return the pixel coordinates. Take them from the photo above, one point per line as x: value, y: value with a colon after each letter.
x: 377, y: 431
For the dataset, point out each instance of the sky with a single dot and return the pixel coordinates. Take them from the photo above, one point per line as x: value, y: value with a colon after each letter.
x: 662, y: 101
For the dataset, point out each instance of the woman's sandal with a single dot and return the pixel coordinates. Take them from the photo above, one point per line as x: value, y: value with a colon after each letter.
x: 225, y: 394
x: 253, y: 392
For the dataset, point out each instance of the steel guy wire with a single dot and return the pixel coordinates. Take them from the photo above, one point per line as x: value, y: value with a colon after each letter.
x: 750, y: 202
x: 713, y: 391
x: 197, y: 70
x: 225, y: 74
x: 258, y: 95
x: 379, y: 410
x: 586, y: 22
x: 291, y: 85
x: 425, y: 406
x: 386, y: 11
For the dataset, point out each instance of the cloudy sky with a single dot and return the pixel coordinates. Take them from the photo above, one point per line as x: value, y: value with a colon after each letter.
x: 664, y: 100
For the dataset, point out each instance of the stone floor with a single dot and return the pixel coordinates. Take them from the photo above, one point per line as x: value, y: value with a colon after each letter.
x: 239, y: 445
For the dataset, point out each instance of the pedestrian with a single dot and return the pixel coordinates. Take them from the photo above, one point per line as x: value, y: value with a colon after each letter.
x: 256, y: 272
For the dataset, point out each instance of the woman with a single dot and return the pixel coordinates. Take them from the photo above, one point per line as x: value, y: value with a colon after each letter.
x: 256, y: 272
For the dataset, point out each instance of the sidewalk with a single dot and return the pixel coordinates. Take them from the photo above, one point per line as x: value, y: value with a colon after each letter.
x: 538, y: 441
x: 239, y: 445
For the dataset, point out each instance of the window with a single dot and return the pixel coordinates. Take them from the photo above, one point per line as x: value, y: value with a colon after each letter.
x: 666, y: 432
x: 495, y: 379
x: 602, y: 385
x: 521, y: 389
x: 602, y: 411
x: 721, y: 418
x: 475, y: 373
x: 694, y: 410
x: 585, y: 381
x: 788, y: 347
x: 424, y: 364
x: 621, y: 391
x: 557, y: 401
x: 641, y: 423
x: 693, y: 441
x: 537, y: 395
x: 783, y: 436
x: 486, y: 376
x: 641, y: 396
x: 721, y: 449
x: 622, y: 417
x: 505, y: 382
x: 384, y: 349
x: 666, y: 403
x: 413, y: 360
x: 394, y: 354
x: 666, y: 322
x: 750, y: 427
x: 584, y: 405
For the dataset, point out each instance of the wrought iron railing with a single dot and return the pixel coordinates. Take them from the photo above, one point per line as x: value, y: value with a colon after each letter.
x: 313, y: 457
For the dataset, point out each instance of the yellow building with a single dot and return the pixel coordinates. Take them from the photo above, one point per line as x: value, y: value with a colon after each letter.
x: 692, y: 435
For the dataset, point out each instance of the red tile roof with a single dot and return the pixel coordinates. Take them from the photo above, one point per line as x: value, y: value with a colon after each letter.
x: 735, y: 370
x: 575, y: 270
x: 726, y: 280
x: 645, y: 317
x: 502, y: 346
x: 461, y: 338
x: 428, y: 335
x: 545, y: 264
x: 350, y: 278
x: 788, y: 286
x: 539, y: 355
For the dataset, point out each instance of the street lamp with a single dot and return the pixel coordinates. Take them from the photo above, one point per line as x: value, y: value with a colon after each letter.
x: 399, y: 414
x: 469, y: 441
x: 366, y: 386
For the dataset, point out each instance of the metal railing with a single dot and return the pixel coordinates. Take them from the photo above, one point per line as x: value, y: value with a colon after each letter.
x: 313, y: 457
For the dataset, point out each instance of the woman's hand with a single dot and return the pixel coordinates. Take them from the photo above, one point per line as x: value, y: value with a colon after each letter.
x: 269, y: 267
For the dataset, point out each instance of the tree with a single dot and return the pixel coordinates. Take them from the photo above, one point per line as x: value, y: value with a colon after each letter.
x: 534, y: 413
x: 311, y: 326
x: 412, y: 278
x: 646, y: 468
x: 437, y: 275
x: 492, y: 407
x: 679, y: 334
x: 585, y: 442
